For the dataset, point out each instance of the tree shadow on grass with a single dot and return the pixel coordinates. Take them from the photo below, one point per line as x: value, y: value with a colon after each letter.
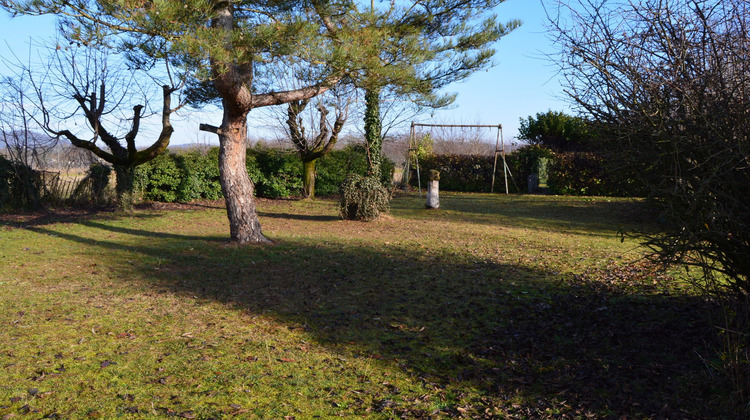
x: 532, y: 345
x: 559, y: 214
x: 303, y: 217
x: 147, y: 233
x: 65, y: 215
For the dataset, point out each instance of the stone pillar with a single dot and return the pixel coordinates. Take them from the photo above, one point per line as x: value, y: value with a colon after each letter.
x: 433, y: 198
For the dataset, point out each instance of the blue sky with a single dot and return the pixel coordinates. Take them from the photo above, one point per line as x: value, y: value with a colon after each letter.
x: 522, y: 82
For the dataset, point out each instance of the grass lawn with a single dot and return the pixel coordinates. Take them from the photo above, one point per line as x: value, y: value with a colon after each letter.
x: 491, y: 307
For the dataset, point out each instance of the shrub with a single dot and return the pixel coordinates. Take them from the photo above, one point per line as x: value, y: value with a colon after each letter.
x: 570, y: 173
x: 6, y: 179
x: 199, y: 176
x: 580, y: 173
x: 275, y: 173
x: 20, y: 186
x: 93, y: 188
x: 159, y: 179
x: 528, y: 160
x: 466, y: 173
x: 334, y: 167
x: 363, y: 198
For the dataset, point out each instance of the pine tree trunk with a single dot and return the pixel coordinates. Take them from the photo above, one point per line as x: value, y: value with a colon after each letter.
x: 244, y: 225
x: 308, y: 178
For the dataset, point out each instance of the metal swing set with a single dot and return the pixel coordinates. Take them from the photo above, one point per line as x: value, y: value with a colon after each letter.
x: 499, y: 150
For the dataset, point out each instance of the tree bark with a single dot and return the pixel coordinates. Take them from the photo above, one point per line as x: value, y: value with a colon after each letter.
x: 308, y: 178
x: 244, y: 226
x: 124, y: 178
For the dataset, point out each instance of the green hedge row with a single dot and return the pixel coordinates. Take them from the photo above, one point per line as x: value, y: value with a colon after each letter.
x: 569, y: 173
x: 276, y: 174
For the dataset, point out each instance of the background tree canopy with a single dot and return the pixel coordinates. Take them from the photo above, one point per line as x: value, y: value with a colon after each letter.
x: 556, y: 131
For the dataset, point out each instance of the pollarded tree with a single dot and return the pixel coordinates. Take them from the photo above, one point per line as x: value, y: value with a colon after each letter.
x: 312, y: 133
x: 88, y: 83
x: 316, y: 145
x: 668, y: 84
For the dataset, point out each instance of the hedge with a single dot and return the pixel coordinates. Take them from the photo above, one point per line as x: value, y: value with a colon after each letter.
x: 569, y: 173
x: 276, y: 174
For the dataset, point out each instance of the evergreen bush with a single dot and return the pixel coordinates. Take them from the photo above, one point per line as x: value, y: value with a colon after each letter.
x: 363, y: 198
x: 159, y: 179
x: 466, y: 173
x: 21, y: 187
x: 199, y: 176
x: 6, y: 177
x: 531, y: 160
x: 278, y: 173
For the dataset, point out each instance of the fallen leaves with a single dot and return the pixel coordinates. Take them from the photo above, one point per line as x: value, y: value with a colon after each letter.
x: 106, y: 363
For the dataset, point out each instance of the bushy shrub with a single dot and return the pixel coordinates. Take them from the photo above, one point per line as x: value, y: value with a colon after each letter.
x: 275, y: 173
x: 334, y: 167
x: 21, y: 187
x: 528, y: 160
x: 6, y: 178
x: 93, y: 189
x: 570, y: 173
x: 363, y: 198
x: 458, y: 172
x: 159, y: 179
x: 199, y: 176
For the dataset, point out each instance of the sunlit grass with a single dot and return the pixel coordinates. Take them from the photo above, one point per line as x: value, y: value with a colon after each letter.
x: 520, y: 306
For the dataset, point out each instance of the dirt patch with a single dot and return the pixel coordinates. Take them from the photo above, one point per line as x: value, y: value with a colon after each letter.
x: 48, y: 216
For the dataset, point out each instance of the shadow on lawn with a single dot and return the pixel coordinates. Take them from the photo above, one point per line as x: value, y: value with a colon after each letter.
x: 147, y: 233
x: 303, y: 217
x: 533, y: 347
x: 567, y: 214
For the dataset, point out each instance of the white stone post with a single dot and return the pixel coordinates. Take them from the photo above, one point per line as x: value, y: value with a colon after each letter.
x: 433, y: 187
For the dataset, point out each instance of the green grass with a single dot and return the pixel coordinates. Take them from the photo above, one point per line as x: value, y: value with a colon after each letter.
x: 492, y: 306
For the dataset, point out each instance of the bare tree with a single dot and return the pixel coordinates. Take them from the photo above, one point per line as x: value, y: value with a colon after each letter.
x: 668, y: 84
x: 24, y: 147
x: 19, y: 135
x: 90, y: 86
x: 313, y: 146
